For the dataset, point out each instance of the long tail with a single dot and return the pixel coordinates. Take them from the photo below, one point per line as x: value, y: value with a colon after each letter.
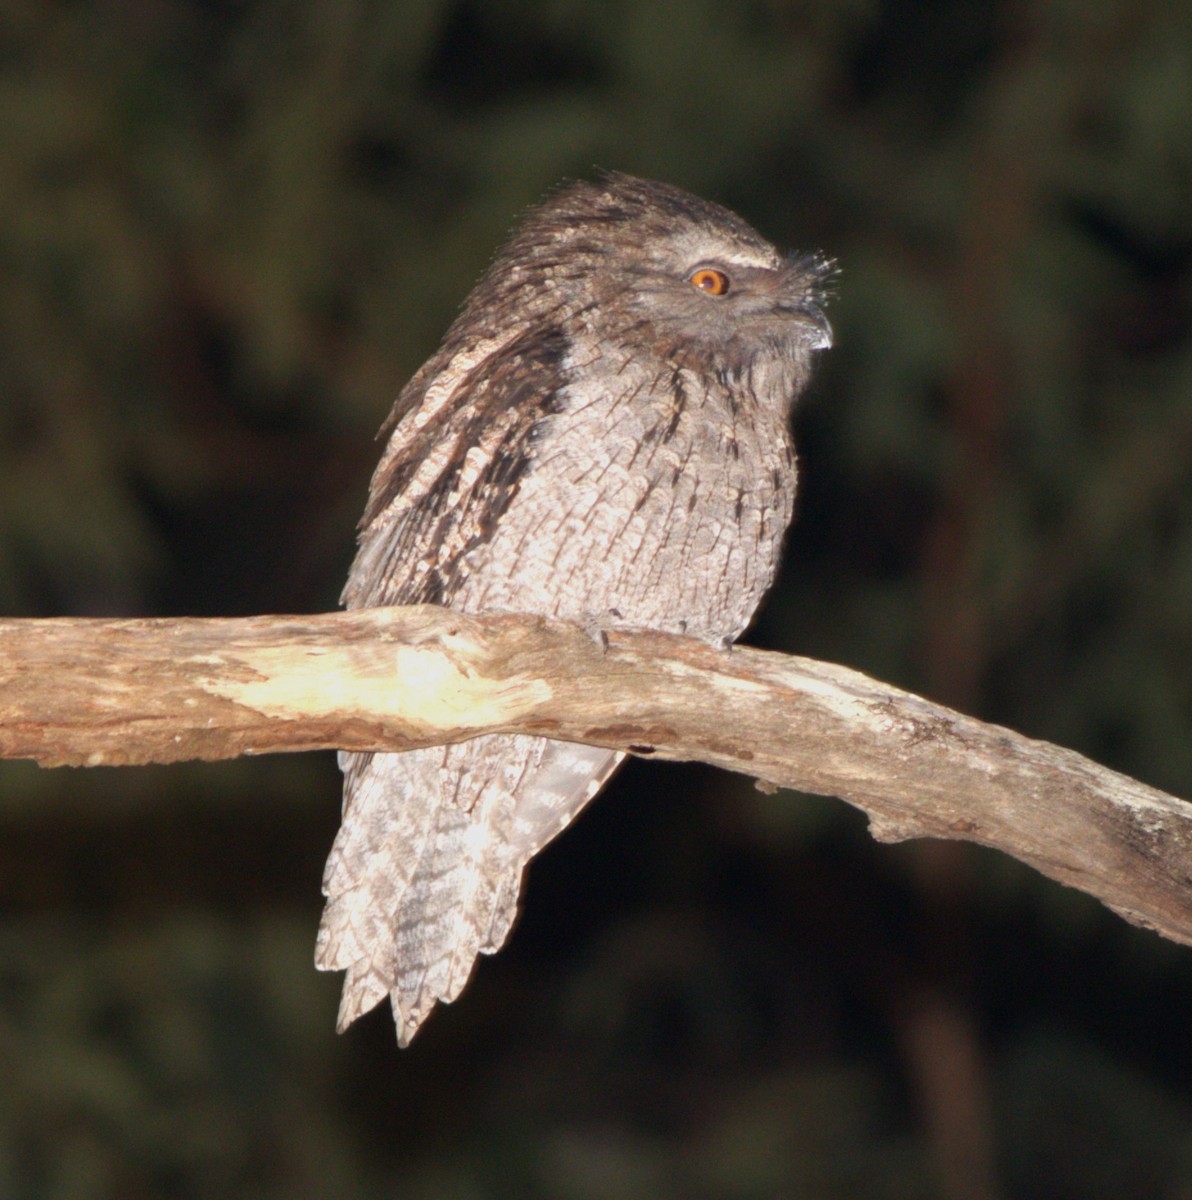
x: 426, y: 869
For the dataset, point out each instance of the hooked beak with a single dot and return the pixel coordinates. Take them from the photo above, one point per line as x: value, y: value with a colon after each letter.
x: 819, y: 329
x: 812, y: 275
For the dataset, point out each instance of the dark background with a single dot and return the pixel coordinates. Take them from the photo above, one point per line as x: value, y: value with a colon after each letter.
x: 228, y: 234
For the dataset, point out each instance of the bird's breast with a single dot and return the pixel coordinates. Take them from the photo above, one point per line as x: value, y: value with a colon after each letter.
x: 653, y: 494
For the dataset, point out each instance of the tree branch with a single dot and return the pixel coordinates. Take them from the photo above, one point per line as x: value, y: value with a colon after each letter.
x: 117, y: 692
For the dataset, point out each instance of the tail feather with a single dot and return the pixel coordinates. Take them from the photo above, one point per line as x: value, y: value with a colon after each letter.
x: 425, y: 873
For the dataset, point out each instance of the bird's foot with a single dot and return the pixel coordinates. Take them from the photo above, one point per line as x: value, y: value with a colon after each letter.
x: 597, y: 625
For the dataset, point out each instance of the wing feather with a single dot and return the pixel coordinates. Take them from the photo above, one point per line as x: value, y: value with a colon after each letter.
x: 426, y: 868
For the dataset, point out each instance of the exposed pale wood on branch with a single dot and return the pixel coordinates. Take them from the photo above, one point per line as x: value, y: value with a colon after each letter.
x: 118, y: 692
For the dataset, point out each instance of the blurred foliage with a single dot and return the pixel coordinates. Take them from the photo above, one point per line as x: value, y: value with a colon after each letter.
x: 228, y: 233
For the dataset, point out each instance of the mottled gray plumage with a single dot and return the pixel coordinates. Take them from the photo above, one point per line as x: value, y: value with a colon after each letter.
x: 603, y: 436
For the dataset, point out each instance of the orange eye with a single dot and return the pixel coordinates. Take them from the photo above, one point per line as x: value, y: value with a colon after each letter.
x: 709, y: 280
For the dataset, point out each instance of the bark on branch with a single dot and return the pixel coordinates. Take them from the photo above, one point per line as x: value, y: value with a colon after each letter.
x: 117, y: 692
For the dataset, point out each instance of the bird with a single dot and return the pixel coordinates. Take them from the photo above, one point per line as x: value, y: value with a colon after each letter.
x: 603, y: 436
